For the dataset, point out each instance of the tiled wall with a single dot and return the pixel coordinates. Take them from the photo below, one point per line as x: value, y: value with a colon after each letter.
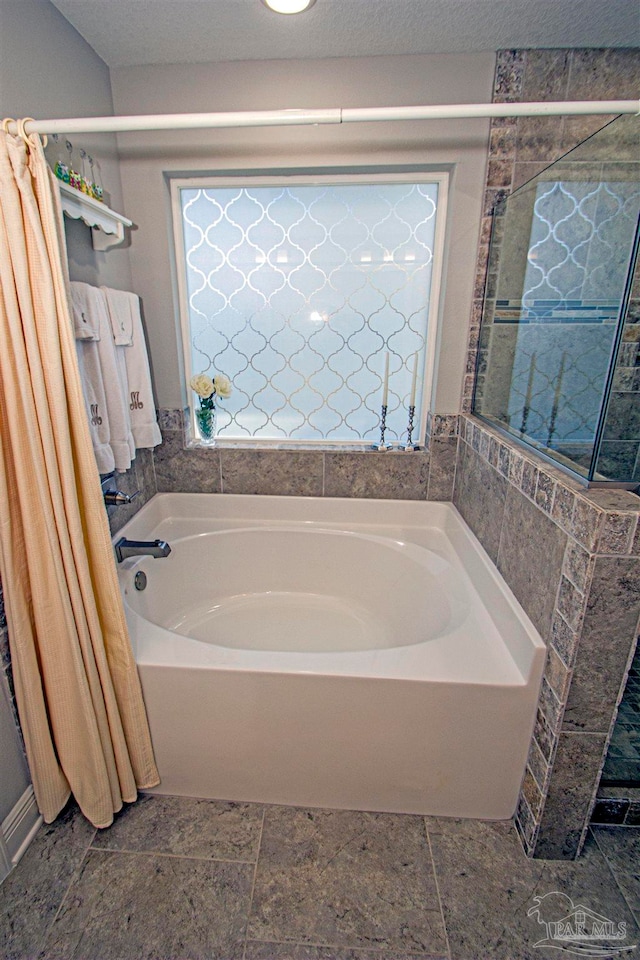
x: 622, y: 810
x: 416, y: 475
x: 572, y: 558
x: 140, y: 478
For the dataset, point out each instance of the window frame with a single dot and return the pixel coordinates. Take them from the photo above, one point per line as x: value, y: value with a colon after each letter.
x: 302, y: 177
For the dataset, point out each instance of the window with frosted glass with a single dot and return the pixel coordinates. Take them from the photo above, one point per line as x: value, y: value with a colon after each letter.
x: 299, y: 293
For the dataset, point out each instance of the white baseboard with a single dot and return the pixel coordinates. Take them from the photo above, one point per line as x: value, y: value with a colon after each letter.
x: 20, y: 825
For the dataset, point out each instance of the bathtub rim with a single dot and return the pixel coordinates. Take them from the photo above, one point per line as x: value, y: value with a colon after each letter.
x: 523, y: 642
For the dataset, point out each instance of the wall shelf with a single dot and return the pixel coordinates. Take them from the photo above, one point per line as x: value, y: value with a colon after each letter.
x: 107, y: 226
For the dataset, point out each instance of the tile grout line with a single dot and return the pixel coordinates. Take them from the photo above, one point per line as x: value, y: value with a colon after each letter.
x: 370, y: 949
x: 583, y: 733
x: 455, y: 462
x: 153, y: 471
x: 502, y: 521
x: 168, y: 856
x: 435, y: 877
x: 74, y: 875
x: 253, y: 884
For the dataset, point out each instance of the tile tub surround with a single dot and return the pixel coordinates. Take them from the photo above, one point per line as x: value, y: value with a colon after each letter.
x: 561, y: 778
x: 572, y: 558
x: 140, y: 478
x: 500, y: 489
x: 425, y: 474
x: 186, y: 879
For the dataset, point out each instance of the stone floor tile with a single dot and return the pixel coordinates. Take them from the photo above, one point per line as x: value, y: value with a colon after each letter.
x: 629, y: 884
x: 330, y: 885
x: 125, y: 906
x: 346, y: 879
x: 207, y: 829
x: 621, y: 847
x: 31, y: 895
x: 487, y: 886
x: 256, y: 950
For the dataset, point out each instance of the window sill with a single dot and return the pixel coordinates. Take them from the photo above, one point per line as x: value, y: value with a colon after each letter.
x: 320, y: 447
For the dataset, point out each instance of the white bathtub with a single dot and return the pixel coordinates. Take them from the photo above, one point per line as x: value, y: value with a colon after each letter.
x: 331, y: 653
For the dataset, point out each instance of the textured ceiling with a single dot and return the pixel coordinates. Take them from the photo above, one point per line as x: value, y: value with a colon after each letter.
x: 130, y: 32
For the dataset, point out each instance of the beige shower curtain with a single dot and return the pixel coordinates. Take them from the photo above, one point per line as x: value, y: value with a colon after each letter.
x: 77, y: 688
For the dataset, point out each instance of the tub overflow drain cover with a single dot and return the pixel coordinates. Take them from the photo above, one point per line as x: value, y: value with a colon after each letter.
x: 140, y: 580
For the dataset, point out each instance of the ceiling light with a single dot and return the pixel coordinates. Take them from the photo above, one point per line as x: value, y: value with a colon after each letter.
x: 288, y: 6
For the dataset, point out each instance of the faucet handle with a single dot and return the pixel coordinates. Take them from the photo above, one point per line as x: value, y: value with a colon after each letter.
x: 140, y: 548
x: 115, y: 498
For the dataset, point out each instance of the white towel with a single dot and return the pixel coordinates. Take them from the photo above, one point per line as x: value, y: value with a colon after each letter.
x: 120, y: 437
x: 121, y: 367
x: 83, y: 310
x: 144, y: 424
x: 123, y: 308
x: 93, y: 389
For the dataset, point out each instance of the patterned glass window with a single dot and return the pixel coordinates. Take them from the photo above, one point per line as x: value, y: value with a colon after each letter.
x: 302, y: 293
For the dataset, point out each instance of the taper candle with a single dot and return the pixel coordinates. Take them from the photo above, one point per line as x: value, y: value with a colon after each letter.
x: 414, y: 382
x: 385, y: 386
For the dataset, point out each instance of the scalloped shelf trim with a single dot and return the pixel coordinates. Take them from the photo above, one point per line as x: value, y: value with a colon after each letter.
x: 96, y: 215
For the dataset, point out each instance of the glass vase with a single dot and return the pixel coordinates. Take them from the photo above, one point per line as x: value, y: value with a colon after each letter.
x: 206, y: 420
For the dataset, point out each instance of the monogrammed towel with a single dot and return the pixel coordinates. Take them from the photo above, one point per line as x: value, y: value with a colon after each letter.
x: 142, y: 411
x: 122, y: 307
x: 85, y: 318
x: 93, y: 390
x: 120, y: 436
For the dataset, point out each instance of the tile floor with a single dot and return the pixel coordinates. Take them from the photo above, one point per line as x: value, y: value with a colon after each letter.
x: 180, y: 879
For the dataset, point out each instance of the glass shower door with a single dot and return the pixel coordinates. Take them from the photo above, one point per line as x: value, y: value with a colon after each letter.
x: 558, y: 292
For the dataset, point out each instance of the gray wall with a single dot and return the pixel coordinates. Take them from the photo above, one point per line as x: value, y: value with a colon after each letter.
x: 47, y: 70
x: 373, y: 81
x: 14, y: 774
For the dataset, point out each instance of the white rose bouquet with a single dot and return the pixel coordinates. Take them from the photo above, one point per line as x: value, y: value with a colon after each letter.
x: 208, y: 388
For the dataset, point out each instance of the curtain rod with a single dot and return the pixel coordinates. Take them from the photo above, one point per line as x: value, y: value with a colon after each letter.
x: 273, y: 118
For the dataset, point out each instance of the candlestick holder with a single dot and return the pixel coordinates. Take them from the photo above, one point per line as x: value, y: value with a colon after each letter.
x: 409, y: 445
x: 383, y: 426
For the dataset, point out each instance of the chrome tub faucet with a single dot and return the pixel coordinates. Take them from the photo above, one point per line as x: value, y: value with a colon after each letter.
x: 141, y: 548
